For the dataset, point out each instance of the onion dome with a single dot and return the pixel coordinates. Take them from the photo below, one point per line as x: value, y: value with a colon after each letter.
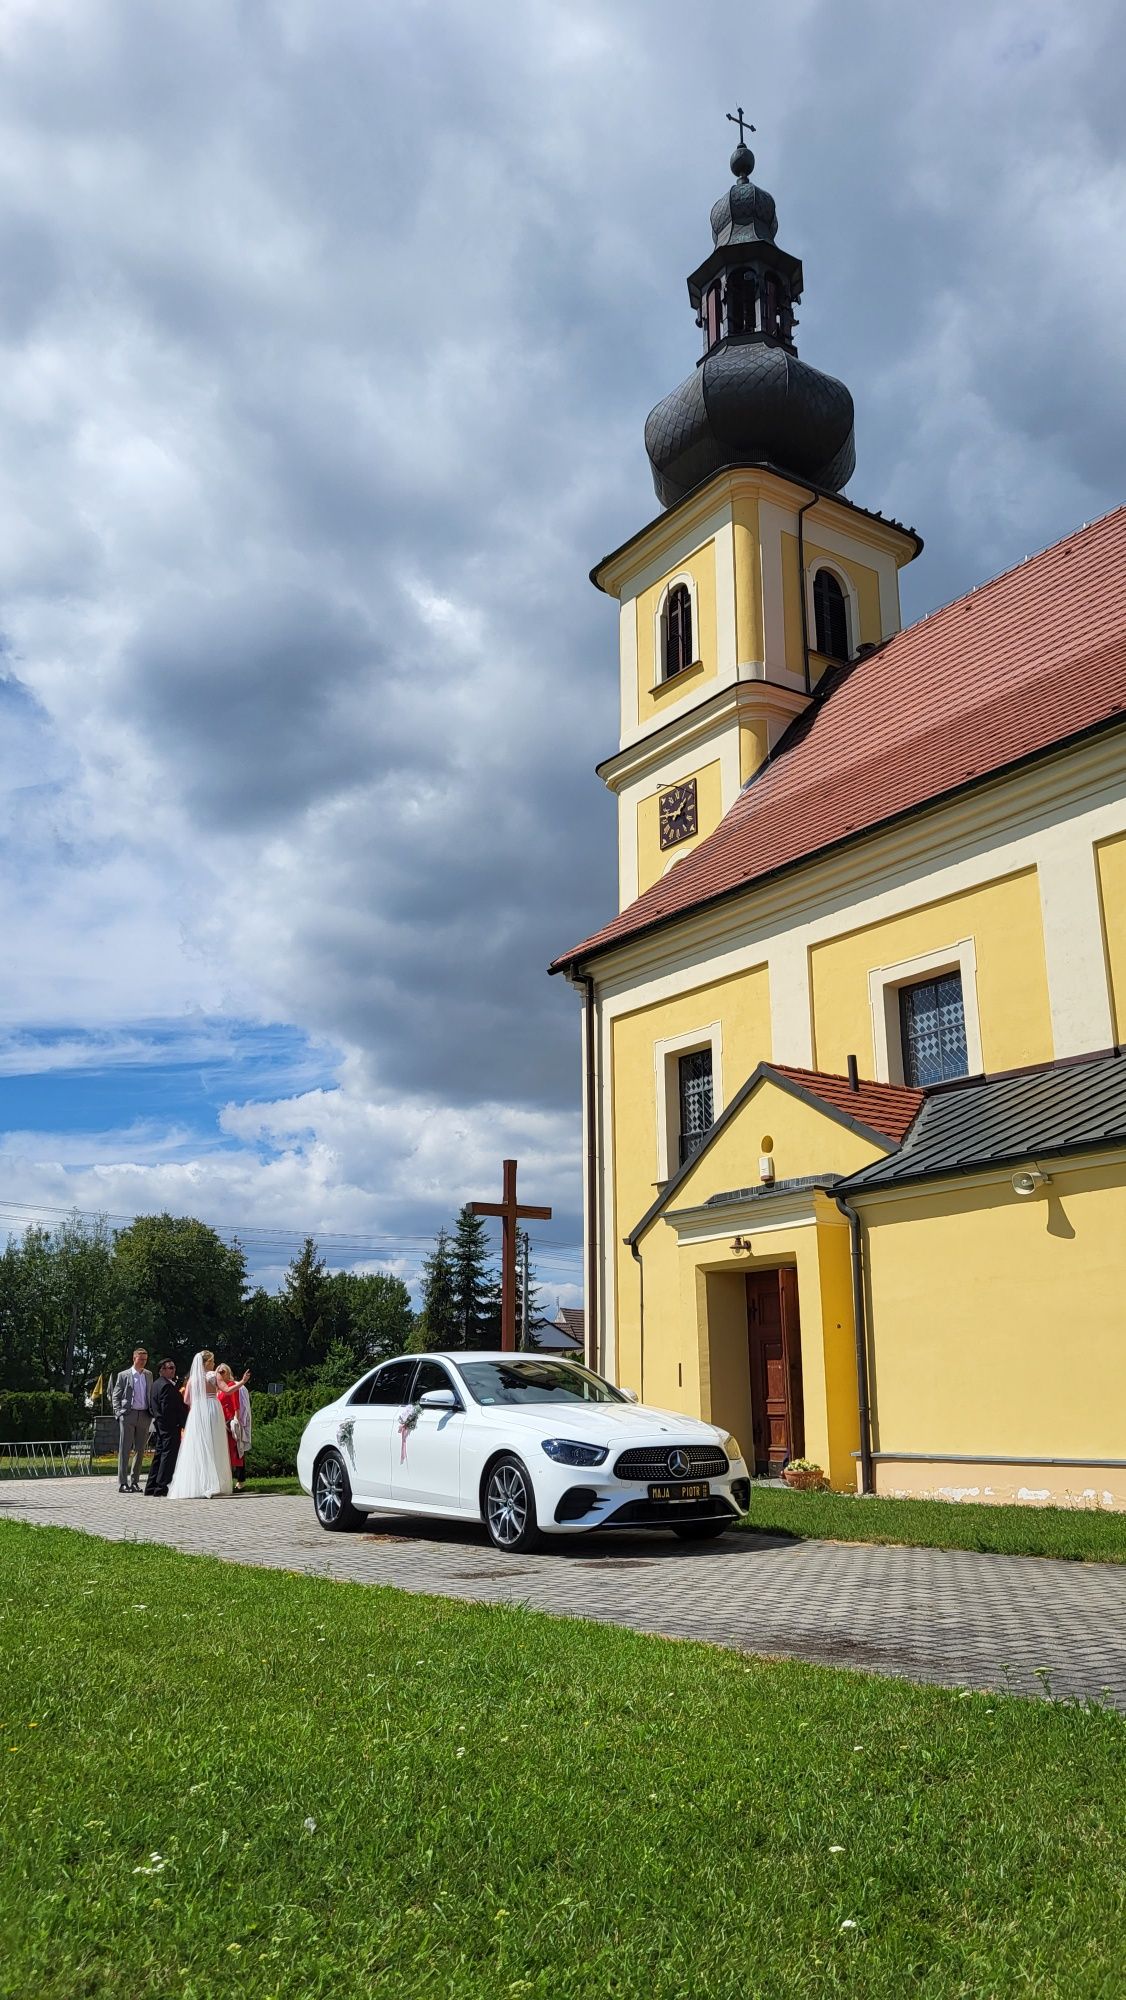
x: 750, y: 401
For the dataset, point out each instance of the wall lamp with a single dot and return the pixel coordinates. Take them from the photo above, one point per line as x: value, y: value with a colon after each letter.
x: 1029, y: 1180
x: 740, y: 1243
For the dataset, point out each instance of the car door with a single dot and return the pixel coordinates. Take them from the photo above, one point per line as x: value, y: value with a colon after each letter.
x: 374, y: 1428
x: 426, y: 1459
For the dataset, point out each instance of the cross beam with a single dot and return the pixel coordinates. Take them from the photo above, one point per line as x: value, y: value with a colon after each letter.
x: 510, y: 1212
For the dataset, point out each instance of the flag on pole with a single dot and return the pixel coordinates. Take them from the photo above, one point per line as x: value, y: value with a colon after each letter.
x: 96, y: 1392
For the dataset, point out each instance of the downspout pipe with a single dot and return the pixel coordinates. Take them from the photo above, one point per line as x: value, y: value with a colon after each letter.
x: 585, y: 981
x: 640, y: 1316
x: 860, y: 1329
x: 802, y: 512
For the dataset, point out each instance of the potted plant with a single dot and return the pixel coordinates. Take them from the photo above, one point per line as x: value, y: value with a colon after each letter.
x: 804, y: 1476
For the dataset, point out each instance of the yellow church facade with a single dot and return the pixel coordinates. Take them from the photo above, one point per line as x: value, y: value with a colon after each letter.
x: 855, y: 1110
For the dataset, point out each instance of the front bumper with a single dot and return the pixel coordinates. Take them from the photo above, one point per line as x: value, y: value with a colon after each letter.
x: 583, y: 1502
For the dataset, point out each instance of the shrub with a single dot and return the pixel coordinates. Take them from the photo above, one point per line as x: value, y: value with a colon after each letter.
x: 36, y: 1413
x: 301, y: 1401
x: 273, y: 1449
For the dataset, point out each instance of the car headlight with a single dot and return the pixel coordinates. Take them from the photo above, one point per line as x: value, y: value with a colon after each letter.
x: 566, y: 1452
x: 732, y: 1447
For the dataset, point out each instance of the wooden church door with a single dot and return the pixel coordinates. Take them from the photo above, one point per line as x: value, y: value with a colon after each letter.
x: 777, y: 1425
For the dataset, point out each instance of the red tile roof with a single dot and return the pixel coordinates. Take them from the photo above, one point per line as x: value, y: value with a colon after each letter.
x: 1028, y: 661
x: 889, y: 1108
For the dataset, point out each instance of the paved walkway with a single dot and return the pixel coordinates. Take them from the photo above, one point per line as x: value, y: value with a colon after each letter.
x: 926, y: 1614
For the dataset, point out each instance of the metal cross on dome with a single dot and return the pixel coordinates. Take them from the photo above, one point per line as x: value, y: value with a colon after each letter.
x: 736, y: 118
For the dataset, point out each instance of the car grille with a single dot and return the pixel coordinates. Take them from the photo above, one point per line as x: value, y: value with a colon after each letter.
x: 693, y: 1461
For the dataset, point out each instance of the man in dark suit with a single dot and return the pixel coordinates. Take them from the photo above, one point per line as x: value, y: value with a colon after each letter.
x: 169, y: 1414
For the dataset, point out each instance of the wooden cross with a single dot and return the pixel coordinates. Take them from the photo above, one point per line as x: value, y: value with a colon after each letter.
x: 510, y: 1213
x: 736, y: 118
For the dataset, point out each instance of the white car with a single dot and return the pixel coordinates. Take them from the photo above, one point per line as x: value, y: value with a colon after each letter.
x: 527, y: 1443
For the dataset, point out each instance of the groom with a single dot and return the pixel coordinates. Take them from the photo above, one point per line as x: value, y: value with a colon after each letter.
x: 170, y: 1414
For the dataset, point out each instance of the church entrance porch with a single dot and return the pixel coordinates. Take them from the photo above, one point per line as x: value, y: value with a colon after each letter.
x: 774, y: 1344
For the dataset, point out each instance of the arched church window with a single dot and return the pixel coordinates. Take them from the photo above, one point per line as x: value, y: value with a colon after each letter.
x: 713, y: 320
x: 830, y: 616
x: 678, y: 630
x: 741, y: 290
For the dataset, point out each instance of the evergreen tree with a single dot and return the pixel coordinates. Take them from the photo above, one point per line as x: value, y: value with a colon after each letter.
x: 473, y: 1282
x: 437, y: 1325
x: 306, y: 1303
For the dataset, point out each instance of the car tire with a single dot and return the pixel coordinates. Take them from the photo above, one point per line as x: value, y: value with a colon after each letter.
x: 332, y: 1495
x: 509, y: 1507
x: 700, y: 1531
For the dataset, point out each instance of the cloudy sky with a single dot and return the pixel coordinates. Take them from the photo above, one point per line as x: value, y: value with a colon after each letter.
x: 329, y: 329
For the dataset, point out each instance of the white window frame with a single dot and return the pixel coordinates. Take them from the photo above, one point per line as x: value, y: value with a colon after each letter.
x: 660, y: 678
x: 885, y: 982
x: 852, y: 604
x: 666, y: 1071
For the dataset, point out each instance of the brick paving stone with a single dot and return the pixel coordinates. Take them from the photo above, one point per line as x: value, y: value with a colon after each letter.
x: 941, y: 1615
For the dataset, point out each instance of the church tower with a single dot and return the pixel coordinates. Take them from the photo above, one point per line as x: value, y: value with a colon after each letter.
x: 758, y: 577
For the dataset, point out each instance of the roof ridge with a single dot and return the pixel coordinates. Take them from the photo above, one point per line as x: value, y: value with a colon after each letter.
x: 1003, y: 575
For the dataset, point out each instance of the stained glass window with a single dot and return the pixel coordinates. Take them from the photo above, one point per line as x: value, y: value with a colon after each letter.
x: 933, y: 1022
x: 695, y: 1101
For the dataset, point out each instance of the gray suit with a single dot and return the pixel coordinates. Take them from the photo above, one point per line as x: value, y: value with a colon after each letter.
x: 133, y: 1424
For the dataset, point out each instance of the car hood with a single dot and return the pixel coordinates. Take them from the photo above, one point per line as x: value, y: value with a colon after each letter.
x: 600, y: 1423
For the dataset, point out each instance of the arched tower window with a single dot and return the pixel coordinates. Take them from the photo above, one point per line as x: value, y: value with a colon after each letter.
x: 741, y: 291
x: 830, y: 616
x: 678, y: 630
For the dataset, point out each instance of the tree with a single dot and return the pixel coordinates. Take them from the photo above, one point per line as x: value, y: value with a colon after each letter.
x: 371, y: 1312
x: 474, y: 1288
x: 306, y: 1302
x: 437, y: 1324
x: 179, y: 1286
x: 267, y: 1337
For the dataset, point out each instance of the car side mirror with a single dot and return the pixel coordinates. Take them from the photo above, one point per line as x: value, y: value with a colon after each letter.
x: 438, y: 1399
x: 629, y: 1394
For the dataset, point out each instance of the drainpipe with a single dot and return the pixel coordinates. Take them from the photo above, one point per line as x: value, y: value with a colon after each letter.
x: 585, y: 980
x: 802, y: 512
x: 640, y: 1319
x: 861, y: 1332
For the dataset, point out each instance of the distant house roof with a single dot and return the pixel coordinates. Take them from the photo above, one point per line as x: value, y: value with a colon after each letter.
x: 1029, y: 662
x: 1064, y: 1107
x: 560, y: 1335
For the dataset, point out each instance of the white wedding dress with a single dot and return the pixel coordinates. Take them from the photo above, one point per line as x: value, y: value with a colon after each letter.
x: 203, y: 1467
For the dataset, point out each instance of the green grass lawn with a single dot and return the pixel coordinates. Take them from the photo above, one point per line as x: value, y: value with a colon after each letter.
x: 231, y: 1781
x: 1077, y: 1534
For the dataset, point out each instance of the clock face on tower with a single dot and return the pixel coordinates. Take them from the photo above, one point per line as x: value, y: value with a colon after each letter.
x: 677, y: 809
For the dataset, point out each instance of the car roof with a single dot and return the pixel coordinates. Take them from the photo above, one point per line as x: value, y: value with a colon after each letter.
x: 460, y: 1355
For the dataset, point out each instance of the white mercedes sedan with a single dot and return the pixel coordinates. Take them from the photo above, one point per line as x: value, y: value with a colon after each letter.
x: 529, y: 1444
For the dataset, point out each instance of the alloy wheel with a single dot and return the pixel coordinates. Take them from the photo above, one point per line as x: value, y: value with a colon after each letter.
x: 507, y: 1505
x: 330, y: 1490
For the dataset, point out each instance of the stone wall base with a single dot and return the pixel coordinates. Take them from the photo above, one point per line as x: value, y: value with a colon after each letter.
x: 1025, y: 1485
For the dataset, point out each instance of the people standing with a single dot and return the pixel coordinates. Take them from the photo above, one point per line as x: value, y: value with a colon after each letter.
x: 170, y: 1415
x: 235, y: 1405
x: 131, y: 1399
x: 203, y: 1467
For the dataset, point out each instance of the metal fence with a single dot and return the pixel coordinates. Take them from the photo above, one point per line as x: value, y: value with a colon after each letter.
x: 46, y: 1458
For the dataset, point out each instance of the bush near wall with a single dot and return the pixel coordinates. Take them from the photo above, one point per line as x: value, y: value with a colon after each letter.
x: 26, y: 1414
x: 273, y: 1449
x: 300, y: 1402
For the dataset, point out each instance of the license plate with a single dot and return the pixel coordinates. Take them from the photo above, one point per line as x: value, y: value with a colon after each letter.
x: 697, y: 1489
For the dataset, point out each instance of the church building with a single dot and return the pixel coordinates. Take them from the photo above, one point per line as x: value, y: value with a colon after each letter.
x: 854, y: 1083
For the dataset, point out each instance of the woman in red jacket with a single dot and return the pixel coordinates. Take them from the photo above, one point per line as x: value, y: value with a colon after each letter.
x: 235, y: 1405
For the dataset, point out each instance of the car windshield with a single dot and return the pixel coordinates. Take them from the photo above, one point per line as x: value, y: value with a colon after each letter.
x: 530, y: 1379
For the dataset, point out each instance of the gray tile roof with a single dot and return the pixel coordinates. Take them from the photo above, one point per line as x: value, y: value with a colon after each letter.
x: 998, y: 1121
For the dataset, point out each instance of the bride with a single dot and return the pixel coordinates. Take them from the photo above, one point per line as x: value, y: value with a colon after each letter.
x: 203, y: 1467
